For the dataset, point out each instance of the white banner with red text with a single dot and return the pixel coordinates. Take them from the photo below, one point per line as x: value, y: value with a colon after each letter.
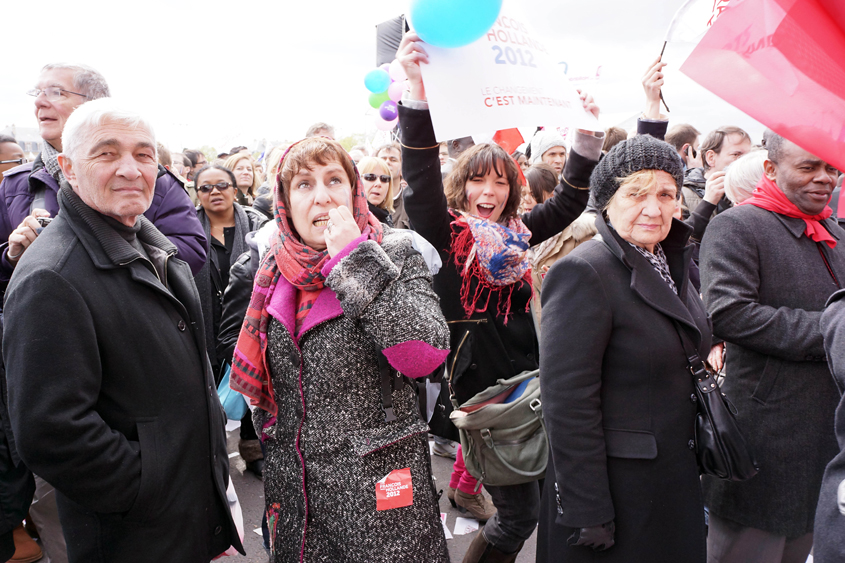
x: 506, y: 79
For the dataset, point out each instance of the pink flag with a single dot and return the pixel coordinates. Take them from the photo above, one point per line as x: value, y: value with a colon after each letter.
x: 783, y: 63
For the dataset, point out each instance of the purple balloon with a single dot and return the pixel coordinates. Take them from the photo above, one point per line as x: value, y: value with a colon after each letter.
x: 388, y: 111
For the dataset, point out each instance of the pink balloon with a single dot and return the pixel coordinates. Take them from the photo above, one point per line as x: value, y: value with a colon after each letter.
x: 385, y: 125
x: 385, y: 67
x: 396, y: 71
x: 395, y: 90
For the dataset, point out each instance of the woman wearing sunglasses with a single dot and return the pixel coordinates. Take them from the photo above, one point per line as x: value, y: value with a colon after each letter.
x: 11, y: 154
x: 378, y: 187
x: 226, y: 225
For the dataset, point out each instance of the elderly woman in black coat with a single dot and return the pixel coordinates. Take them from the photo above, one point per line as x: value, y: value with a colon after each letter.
x: 618, y: 399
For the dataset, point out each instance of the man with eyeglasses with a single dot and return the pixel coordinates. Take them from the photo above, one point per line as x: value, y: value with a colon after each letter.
x: 11, y: 154
x: 30, y: 191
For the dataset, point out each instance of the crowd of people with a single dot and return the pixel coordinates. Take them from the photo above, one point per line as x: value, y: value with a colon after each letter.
x: 335, y: 288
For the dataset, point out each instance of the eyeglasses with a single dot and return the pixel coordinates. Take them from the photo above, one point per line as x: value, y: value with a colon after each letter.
x: 16, y: 161
x: 221, y: 187
x: 53, y: 93
x: 372, y: 178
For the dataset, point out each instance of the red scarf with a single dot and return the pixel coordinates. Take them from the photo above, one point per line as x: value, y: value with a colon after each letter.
x: 768, y: 196
x: 300, y: 265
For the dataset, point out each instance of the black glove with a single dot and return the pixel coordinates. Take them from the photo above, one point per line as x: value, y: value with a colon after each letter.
x: 599, y: 538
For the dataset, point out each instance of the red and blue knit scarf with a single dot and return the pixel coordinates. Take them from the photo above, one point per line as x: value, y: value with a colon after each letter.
x: 495, y: 255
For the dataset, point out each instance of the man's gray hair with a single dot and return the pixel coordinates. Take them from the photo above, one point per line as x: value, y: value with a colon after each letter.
x: 314, y: 129
x: 742, y: 176
x: 86, y: 80
x: 82, y: 122
x: 774, y: 145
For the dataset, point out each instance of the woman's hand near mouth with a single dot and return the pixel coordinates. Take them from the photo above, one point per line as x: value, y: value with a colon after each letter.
x: 343, y: 230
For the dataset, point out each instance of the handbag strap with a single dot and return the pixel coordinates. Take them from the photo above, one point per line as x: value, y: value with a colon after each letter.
x: 702, y: 378
x: 387, y: 378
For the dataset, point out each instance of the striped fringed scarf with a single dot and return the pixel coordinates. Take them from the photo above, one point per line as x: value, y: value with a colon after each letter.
x: 495, y: 255
x: 300, y: 265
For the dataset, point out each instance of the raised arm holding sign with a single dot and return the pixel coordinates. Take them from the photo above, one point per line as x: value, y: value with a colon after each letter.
x: 485, y: 282
x: 505, y: 79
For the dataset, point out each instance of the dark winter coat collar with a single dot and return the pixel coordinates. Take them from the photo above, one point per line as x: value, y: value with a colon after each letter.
x: 646, y: 282
x: 798, y: 226
x: 105, y: 245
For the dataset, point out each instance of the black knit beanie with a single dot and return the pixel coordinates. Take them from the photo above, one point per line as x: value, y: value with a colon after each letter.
x: 642, y: 152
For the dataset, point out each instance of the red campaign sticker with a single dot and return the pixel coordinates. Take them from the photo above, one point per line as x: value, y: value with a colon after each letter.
x: 395, y: 490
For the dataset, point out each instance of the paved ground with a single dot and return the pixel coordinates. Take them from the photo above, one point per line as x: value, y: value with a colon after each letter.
x: 251, y: 494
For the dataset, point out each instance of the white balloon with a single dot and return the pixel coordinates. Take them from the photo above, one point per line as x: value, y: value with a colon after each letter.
x: 396, y: 71
x: 385, y: 125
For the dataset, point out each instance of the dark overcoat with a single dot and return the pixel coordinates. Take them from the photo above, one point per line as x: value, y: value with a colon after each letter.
x: 330, y: 443
x: 619, y: 403
x: 829, y: 531
x: 111, y: 396
x: 765, y: 285
x: 486, y: 346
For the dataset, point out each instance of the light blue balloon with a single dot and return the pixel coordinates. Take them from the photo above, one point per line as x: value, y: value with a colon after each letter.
x: 377, y: 81
x: 453, y: 23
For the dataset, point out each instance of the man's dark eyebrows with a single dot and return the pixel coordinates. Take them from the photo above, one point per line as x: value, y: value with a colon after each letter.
x: 102, y: 144
x: 811, y: 162
x: 116, y: 143
x: 145, y: 145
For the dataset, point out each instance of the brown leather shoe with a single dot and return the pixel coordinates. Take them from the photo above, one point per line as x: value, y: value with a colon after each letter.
x: 26, y: 550
x: 482, y: 552
x: 477, y: 505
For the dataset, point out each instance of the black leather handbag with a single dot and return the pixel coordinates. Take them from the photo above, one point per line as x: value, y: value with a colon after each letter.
x: 719, y: 445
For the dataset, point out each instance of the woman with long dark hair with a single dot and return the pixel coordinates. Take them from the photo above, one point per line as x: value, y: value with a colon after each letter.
x: 485, y: 283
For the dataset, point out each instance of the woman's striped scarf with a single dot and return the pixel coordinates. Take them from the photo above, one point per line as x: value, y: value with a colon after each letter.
x: 495, y: 255
x: 301, y: 266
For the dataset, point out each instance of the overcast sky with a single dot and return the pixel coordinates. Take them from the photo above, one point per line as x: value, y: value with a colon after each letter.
x: 229, y: 73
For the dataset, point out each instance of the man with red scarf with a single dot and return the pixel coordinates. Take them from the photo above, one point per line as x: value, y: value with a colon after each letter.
x: 767, y: 268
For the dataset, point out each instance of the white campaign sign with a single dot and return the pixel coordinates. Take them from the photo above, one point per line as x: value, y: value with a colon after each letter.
x: 505, y: 79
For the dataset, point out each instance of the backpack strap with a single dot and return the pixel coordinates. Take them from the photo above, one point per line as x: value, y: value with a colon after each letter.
x: 40, y: 200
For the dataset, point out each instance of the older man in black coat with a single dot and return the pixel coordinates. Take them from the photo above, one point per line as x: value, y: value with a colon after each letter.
x: 110, y: 391
x: 767, y: 269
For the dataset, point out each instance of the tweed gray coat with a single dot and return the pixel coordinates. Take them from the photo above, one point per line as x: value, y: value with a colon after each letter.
x: 330, y: 444
x: 765, y: 285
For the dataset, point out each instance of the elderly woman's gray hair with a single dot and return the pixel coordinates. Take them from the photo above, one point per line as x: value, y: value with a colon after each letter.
x: 642, y: 152
x: 742, y: 176
x: 81, y: 123
x: 86, y: 80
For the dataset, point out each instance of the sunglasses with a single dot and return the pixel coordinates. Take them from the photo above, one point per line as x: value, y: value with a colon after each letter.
x: 372, y: 178
x: 221, y: 187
